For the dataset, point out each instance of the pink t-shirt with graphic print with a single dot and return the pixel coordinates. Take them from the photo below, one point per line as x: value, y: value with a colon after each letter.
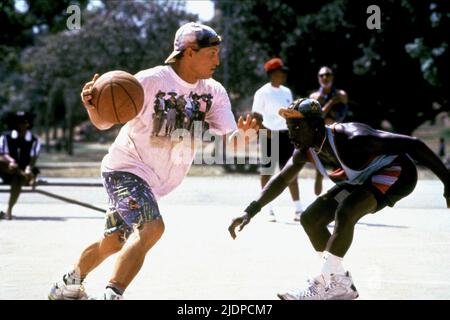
x: 142, y: 146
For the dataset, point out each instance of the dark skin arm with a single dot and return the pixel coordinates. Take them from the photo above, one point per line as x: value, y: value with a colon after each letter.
x: 340, y: 97
x: 273, y: 189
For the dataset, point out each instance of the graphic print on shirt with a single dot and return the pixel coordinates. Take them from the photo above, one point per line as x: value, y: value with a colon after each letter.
x: 172, y: 111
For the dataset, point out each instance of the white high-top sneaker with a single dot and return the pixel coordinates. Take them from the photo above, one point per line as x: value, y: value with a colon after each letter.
x: 341, y: 287
x: 314, y: 291
x: 62, y: 291
x: 110, y: 294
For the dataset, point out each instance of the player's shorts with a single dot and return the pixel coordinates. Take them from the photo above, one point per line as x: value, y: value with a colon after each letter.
x: 285, y: 151
x: 131, y: 203
x: 389, y: 184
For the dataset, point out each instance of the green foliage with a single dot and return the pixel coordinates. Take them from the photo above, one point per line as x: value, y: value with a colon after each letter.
x: 398, y: 73
x: 120, y: 35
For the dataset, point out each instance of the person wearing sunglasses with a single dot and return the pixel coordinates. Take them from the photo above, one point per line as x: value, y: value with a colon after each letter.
x: 333, y: 100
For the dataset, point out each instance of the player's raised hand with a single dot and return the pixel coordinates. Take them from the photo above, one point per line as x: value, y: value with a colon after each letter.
x: 240, y: 222
x: 248, y: 123
x: 86, y: 93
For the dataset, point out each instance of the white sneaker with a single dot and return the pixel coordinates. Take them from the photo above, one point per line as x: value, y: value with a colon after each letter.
x: 110, y: 294
x: 63, y: 291
x: 297, y: 215
x: 341, y: 287
x: 314, y: 291
x: 272, y: 217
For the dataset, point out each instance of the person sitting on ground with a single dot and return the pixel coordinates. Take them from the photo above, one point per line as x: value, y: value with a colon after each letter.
x: 19, y: 150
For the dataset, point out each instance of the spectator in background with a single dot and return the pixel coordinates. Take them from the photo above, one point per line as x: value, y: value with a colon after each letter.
x: 267, y: 101
x: 19, y: 150
x: 333, y: 100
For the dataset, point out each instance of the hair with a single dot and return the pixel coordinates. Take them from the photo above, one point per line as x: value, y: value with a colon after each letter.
x: 331, y: 70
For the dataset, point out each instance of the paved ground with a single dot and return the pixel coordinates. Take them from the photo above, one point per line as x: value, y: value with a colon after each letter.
x: 400, y: 253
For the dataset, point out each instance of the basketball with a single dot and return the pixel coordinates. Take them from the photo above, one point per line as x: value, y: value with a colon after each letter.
x: 118, y: 96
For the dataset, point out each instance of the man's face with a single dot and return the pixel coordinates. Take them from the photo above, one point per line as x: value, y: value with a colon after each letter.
x: 325, y: 77
x: 279, y: 76
x: 205, y: 62
x: 300, y: 133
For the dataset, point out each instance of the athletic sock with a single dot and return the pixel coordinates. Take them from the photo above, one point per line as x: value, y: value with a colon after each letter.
x: 298, y: 206
x: 331, y: 265
x: 73, y: 278
x: 114, y: 287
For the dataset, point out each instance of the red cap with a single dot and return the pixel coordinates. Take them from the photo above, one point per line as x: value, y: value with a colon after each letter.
x: 274, y: 64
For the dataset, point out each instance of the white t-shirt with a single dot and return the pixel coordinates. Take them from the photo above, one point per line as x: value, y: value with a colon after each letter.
x: 163, y: 163
x: 267, y: 101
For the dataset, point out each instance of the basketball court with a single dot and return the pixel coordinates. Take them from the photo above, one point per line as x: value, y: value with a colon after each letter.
x: 399, y: 253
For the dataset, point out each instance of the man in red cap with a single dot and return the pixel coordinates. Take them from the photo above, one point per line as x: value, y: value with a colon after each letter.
x: 267, y: 101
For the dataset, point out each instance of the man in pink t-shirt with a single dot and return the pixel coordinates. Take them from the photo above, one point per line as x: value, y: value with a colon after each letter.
x: 147, y: 160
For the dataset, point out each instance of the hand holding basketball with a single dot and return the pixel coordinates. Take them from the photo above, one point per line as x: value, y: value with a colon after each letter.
x: 115, y: 97
x: 86, y: 93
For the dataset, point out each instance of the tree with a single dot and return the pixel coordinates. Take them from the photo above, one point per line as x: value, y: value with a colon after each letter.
x: 398, y: 73
x: 119, y: 35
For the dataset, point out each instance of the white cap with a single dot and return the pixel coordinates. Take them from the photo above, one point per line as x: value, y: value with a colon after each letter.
x: 193, y: 35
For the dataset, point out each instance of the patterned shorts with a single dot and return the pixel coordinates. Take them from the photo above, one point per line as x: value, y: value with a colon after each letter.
x: 389, y: 184
x: 131, y: 203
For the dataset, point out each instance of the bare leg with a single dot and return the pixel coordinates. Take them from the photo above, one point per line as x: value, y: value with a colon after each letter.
x: 315, y: 220
x: 355, y: 206
x: 132, y: 255
x: 16, y: 187
x: 97, y: 252
x: 293, y: 188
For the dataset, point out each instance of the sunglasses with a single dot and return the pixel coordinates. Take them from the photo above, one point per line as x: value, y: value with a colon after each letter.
x: 325, y: 75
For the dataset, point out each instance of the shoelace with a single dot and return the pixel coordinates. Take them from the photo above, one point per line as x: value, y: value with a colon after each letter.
x: 311, y: 291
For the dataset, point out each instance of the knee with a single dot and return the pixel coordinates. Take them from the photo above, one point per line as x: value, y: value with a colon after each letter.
x: 111, y: 244
x: 307, y: 221
x: 151, y: 233
x: 345, y: 218
x: 159, y: 228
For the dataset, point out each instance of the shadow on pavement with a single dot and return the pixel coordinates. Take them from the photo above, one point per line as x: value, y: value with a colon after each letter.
x: 358, y: 223
x: 36, y: 218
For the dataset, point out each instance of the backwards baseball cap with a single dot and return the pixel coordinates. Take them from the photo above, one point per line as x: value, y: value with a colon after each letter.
x: 193, y: 35
x: 302, y: 108
x: 275, y: 64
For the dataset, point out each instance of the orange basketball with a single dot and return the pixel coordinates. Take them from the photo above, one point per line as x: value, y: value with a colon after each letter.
x: 118, y: 96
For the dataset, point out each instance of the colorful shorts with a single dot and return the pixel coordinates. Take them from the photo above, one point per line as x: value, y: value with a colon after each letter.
x: 389, y: 184
x: 131, y: 203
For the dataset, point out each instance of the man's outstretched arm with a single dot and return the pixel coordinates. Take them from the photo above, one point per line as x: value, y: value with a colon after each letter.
x: 419, y: 151
x: 272, y: 190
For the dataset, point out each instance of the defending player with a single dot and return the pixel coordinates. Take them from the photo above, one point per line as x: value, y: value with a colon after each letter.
x: 372, y: 169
